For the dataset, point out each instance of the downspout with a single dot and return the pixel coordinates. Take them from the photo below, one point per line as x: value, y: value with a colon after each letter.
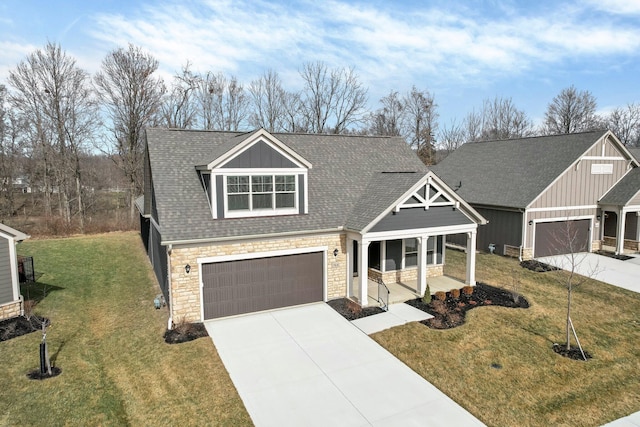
x: 524, y: 233
x: 170, y: 321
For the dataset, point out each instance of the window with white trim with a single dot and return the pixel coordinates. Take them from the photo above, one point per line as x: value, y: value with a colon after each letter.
x: 260, y: 192
x: 410, y: 252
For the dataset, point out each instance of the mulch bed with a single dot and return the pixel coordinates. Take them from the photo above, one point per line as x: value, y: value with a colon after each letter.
x: 573, y: 353
x: 351, y: 310
x: 185, y: 332
x: 451, y: 312
x: 613, y: 255
x: 537, y: 266
x: 36, y: 375
x: 18, y: 326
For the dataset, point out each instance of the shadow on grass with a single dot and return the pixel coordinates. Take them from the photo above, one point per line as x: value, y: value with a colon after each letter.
x: 37, y: 291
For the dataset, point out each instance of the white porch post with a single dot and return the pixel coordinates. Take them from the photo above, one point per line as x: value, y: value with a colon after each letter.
x: 622, y: 217
x: 422, y: 265
x: 363, y: 273
x: 349, y: 267
x: 471, y: 258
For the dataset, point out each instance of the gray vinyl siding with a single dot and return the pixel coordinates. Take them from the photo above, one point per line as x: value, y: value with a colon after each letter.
x: 145, y: 224
x: 158, y: 257
x: 6, y: 286
x: 580, y: 187
x: 301, y: 194
x: 503, y: 228
x: 260, y: 155
x: 220, y: 196
x: 412, y: 218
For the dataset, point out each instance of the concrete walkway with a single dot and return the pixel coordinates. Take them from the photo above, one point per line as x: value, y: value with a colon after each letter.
x: 308, y: 366
x: 624, y: 274
x: 398, y: 314
x: 632, y: 420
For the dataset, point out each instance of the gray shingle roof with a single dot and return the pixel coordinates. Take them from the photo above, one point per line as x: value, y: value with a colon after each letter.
x: 624, y: 190
x: 512, y: 173
x: 373, y: 201
x: 344, y: 169
x: 635, y: 152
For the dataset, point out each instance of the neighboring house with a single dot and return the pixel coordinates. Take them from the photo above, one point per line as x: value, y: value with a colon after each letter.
x: 243, y: 222
x: 10, y: 298
x: 532, y: 190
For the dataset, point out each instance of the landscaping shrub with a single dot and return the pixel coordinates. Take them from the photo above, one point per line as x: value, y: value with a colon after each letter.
x: 427, y: 296
x: 441, y: 296
x: 455, y: 293
x: 467, y: 290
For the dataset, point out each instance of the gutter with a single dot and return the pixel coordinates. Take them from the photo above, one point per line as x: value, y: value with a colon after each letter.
x: 250, y: 236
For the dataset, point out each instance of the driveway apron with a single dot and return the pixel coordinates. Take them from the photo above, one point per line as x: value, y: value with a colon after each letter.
x: 308, y: 366
x: 623, y: 274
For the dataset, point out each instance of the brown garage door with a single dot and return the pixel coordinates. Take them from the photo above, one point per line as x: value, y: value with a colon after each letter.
x: 551, y: 237
x: 245, y: 286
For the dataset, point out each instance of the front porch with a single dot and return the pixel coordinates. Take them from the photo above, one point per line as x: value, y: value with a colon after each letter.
x: 407, y: 290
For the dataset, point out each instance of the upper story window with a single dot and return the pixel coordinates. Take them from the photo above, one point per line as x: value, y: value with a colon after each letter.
x: 261, y: 193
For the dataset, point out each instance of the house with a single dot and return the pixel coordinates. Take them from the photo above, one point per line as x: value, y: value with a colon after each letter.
x: 242, y: 222
x: 531, y: 189
x: 10, y: 298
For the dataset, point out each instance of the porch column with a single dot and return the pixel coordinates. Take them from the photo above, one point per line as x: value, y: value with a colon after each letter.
x: 349, y: 267
x: 363, y: 273
x: 471, y: 258
x: 622, y: 218
x: 422, y: 265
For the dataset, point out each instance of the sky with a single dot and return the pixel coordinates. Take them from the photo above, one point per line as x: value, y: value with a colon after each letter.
x: 461, y: 51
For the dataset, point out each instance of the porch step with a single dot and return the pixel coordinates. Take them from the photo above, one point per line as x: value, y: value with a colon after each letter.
x: 398, y: 314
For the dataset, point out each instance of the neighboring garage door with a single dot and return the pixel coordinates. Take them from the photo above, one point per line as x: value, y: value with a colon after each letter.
x: 551, y: 237
x: 245, y: 286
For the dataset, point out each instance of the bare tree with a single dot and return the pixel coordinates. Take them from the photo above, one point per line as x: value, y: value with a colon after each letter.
x: 625, y: 124
x: 421, y: 123
x: 11, y: 146
x: 223, y: 102
x: 388, y: 120
x: 54, y: 98
x: 501, y: 119
x: 332, y: 100
x: 131, y: 95
x: 451, y: 137
x: 571, y: 111
x: 268, y: 101
x: 178, y: 109
x: 574, y: 272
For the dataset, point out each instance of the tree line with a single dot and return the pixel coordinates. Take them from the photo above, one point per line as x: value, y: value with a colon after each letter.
x: 55, y: 116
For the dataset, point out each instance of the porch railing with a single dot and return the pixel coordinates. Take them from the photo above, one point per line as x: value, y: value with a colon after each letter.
x: 383, y: 294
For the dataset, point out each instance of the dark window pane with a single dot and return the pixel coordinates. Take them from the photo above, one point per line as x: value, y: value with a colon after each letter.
x: 393, y: 259
x: 374, y: 255
x: 238, y: 201
x: 262, y: 201
x: 285, y: 200
x: 410, y: 260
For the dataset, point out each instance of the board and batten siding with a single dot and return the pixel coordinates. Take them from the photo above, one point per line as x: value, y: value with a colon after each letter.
x: 504, y: 228
x: 6, y: 283
x: 579, y: 187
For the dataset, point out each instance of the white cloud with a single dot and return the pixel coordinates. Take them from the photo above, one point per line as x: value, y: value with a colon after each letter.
x: 617, y: 7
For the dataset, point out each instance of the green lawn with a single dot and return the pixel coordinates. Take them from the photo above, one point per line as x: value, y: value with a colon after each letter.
x: 107, y: 339
x: 535, y: 387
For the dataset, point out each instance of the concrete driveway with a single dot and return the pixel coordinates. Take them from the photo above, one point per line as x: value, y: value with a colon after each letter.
x: 308, y: 366
x: 624, y: 274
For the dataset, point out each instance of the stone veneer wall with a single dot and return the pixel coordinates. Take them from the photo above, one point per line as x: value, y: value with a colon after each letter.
x: 11, y: 309
x: 185, y: 288
x: 596, y: 245
x: 407, y: 275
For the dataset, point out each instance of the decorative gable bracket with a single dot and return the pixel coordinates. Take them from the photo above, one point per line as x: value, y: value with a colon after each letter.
x: 426, y: 196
